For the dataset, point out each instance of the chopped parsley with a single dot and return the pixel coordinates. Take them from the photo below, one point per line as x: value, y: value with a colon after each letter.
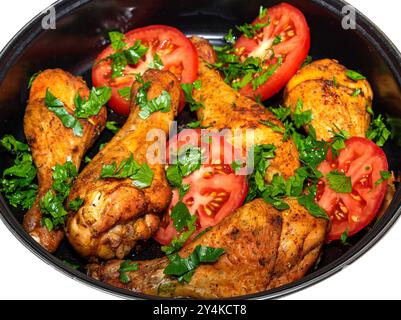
x: 184, y: 268
x: 52, y: 203
x: 353, y: 75
x: 112, y: 126
x: 68, y: 120
x: 125, y: 267
x: 75, y: 204
x: 385, y: 175
x: 157, y: 63
x: 123, y: 56
x: 188, y: 90
x: 141, y: 175
x: 378, y: 131
x: 125, y: 93
x: 17, y: 182
x: 147, y: 107
x: 339, y: 182
x: 33, y: 78
x: 86, y: 108
x: 356, y: 93
x: 307, y: 61
x: 277, y: 40
x: 344, y: 237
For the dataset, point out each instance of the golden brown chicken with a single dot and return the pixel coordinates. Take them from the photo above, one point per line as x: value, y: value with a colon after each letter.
x: 225, y: 108
x: 334, y: 98
x: 253, y: 262
x: 52, y: 143
x: 116, y: 214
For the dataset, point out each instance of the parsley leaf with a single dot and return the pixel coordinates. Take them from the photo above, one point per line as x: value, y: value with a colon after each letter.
x: 180, y: 215
x: 142, y: 175
x: 112, y: 126
x: 339, y: 182
x: 229, y: 37
x: 344, y: 237
x: 273, y: 126
x: 301, y: 118
x: 157, y: 63
x: 188, y: 89
x: 308, y: 201
x: 17, y: 183
x: 117, y: 40
x: 123, y: 57
x: 262, y: 79
x: 69, y: 121
x: 385, y: 175
x: 33, y: 78
x: 378, y: 131
x: 353, y: 75
x: 125, y: 93
x: 251, y: 30
x: 307, y: 61
x: 161, y: 103
x: 75, y: 204
x: 52, y: 203
x: 178, y: 242
x: 127, y: 266
x: 86, y: 108
x: 184, y: 268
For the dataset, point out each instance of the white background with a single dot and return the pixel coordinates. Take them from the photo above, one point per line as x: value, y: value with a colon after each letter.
x: 374, y: 276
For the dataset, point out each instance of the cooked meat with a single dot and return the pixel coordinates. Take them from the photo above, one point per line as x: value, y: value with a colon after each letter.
x: 116, y: 214
x: 225, y: 108
x: 52, y: 143
x: 324, y: 88
x: 254, y: 260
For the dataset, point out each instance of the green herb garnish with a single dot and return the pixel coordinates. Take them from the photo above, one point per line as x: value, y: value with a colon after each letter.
x: 184, y: 268
x: 339, y: 182
x: 125, y: 267
x: 17, y: 183
x: 385, y: 175
x: 353, y: 75
x: 142, y: 175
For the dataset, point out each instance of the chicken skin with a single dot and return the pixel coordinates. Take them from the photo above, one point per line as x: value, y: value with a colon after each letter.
x: 225, y: 108
x: 253, y: 262
x: 334, y: 99
x: 52, y: 143
x: 116, y: 214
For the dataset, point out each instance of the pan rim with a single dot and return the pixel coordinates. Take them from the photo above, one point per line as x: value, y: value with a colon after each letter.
x: 368, y: 30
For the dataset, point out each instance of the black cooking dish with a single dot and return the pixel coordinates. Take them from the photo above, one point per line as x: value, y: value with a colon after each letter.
x: 80, y: 35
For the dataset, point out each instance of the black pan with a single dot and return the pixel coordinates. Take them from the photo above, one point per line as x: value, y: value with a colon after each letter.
x: 81, y: 33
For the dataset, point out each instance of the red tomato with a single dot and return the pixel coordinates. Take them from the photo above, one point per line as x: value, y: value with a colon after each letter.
x: 288, y: 23
x: 362, y: 160
x: 215, y: 190
x: 176, y: 52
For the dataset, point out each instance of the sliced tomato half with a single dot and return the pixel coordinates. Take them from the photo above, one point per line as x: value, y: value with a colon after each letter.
x: 362, y: 161
x: 287, y: 37
x: 215, y: 190
x: 177, y: 53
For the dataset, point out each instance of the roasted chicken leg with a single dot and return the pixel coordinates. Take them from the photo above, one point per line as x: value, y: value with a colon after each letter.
x: 336, y: 101
x: 52, y: 143
x: 252, y: 238
x: 115, y: 214
x: 225, y: 108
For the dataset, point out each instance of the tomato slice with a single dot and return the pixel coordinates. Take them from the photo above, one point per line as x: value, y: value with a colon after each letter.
x: 215, y: 190
x: 287, y: 26
x: 362, y: 160
x: 177, y: 53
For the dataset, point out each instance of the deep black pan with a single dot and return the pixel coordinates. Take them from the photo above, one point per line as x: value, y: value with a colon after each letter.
x: 81, y: 32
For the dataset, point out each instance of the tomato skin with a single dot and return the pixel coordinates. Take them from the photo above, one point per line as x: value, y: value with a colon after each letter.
x: 295, y: 49
x: 209, y: 179
x: 362, y: 160
x: 182, y: 61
